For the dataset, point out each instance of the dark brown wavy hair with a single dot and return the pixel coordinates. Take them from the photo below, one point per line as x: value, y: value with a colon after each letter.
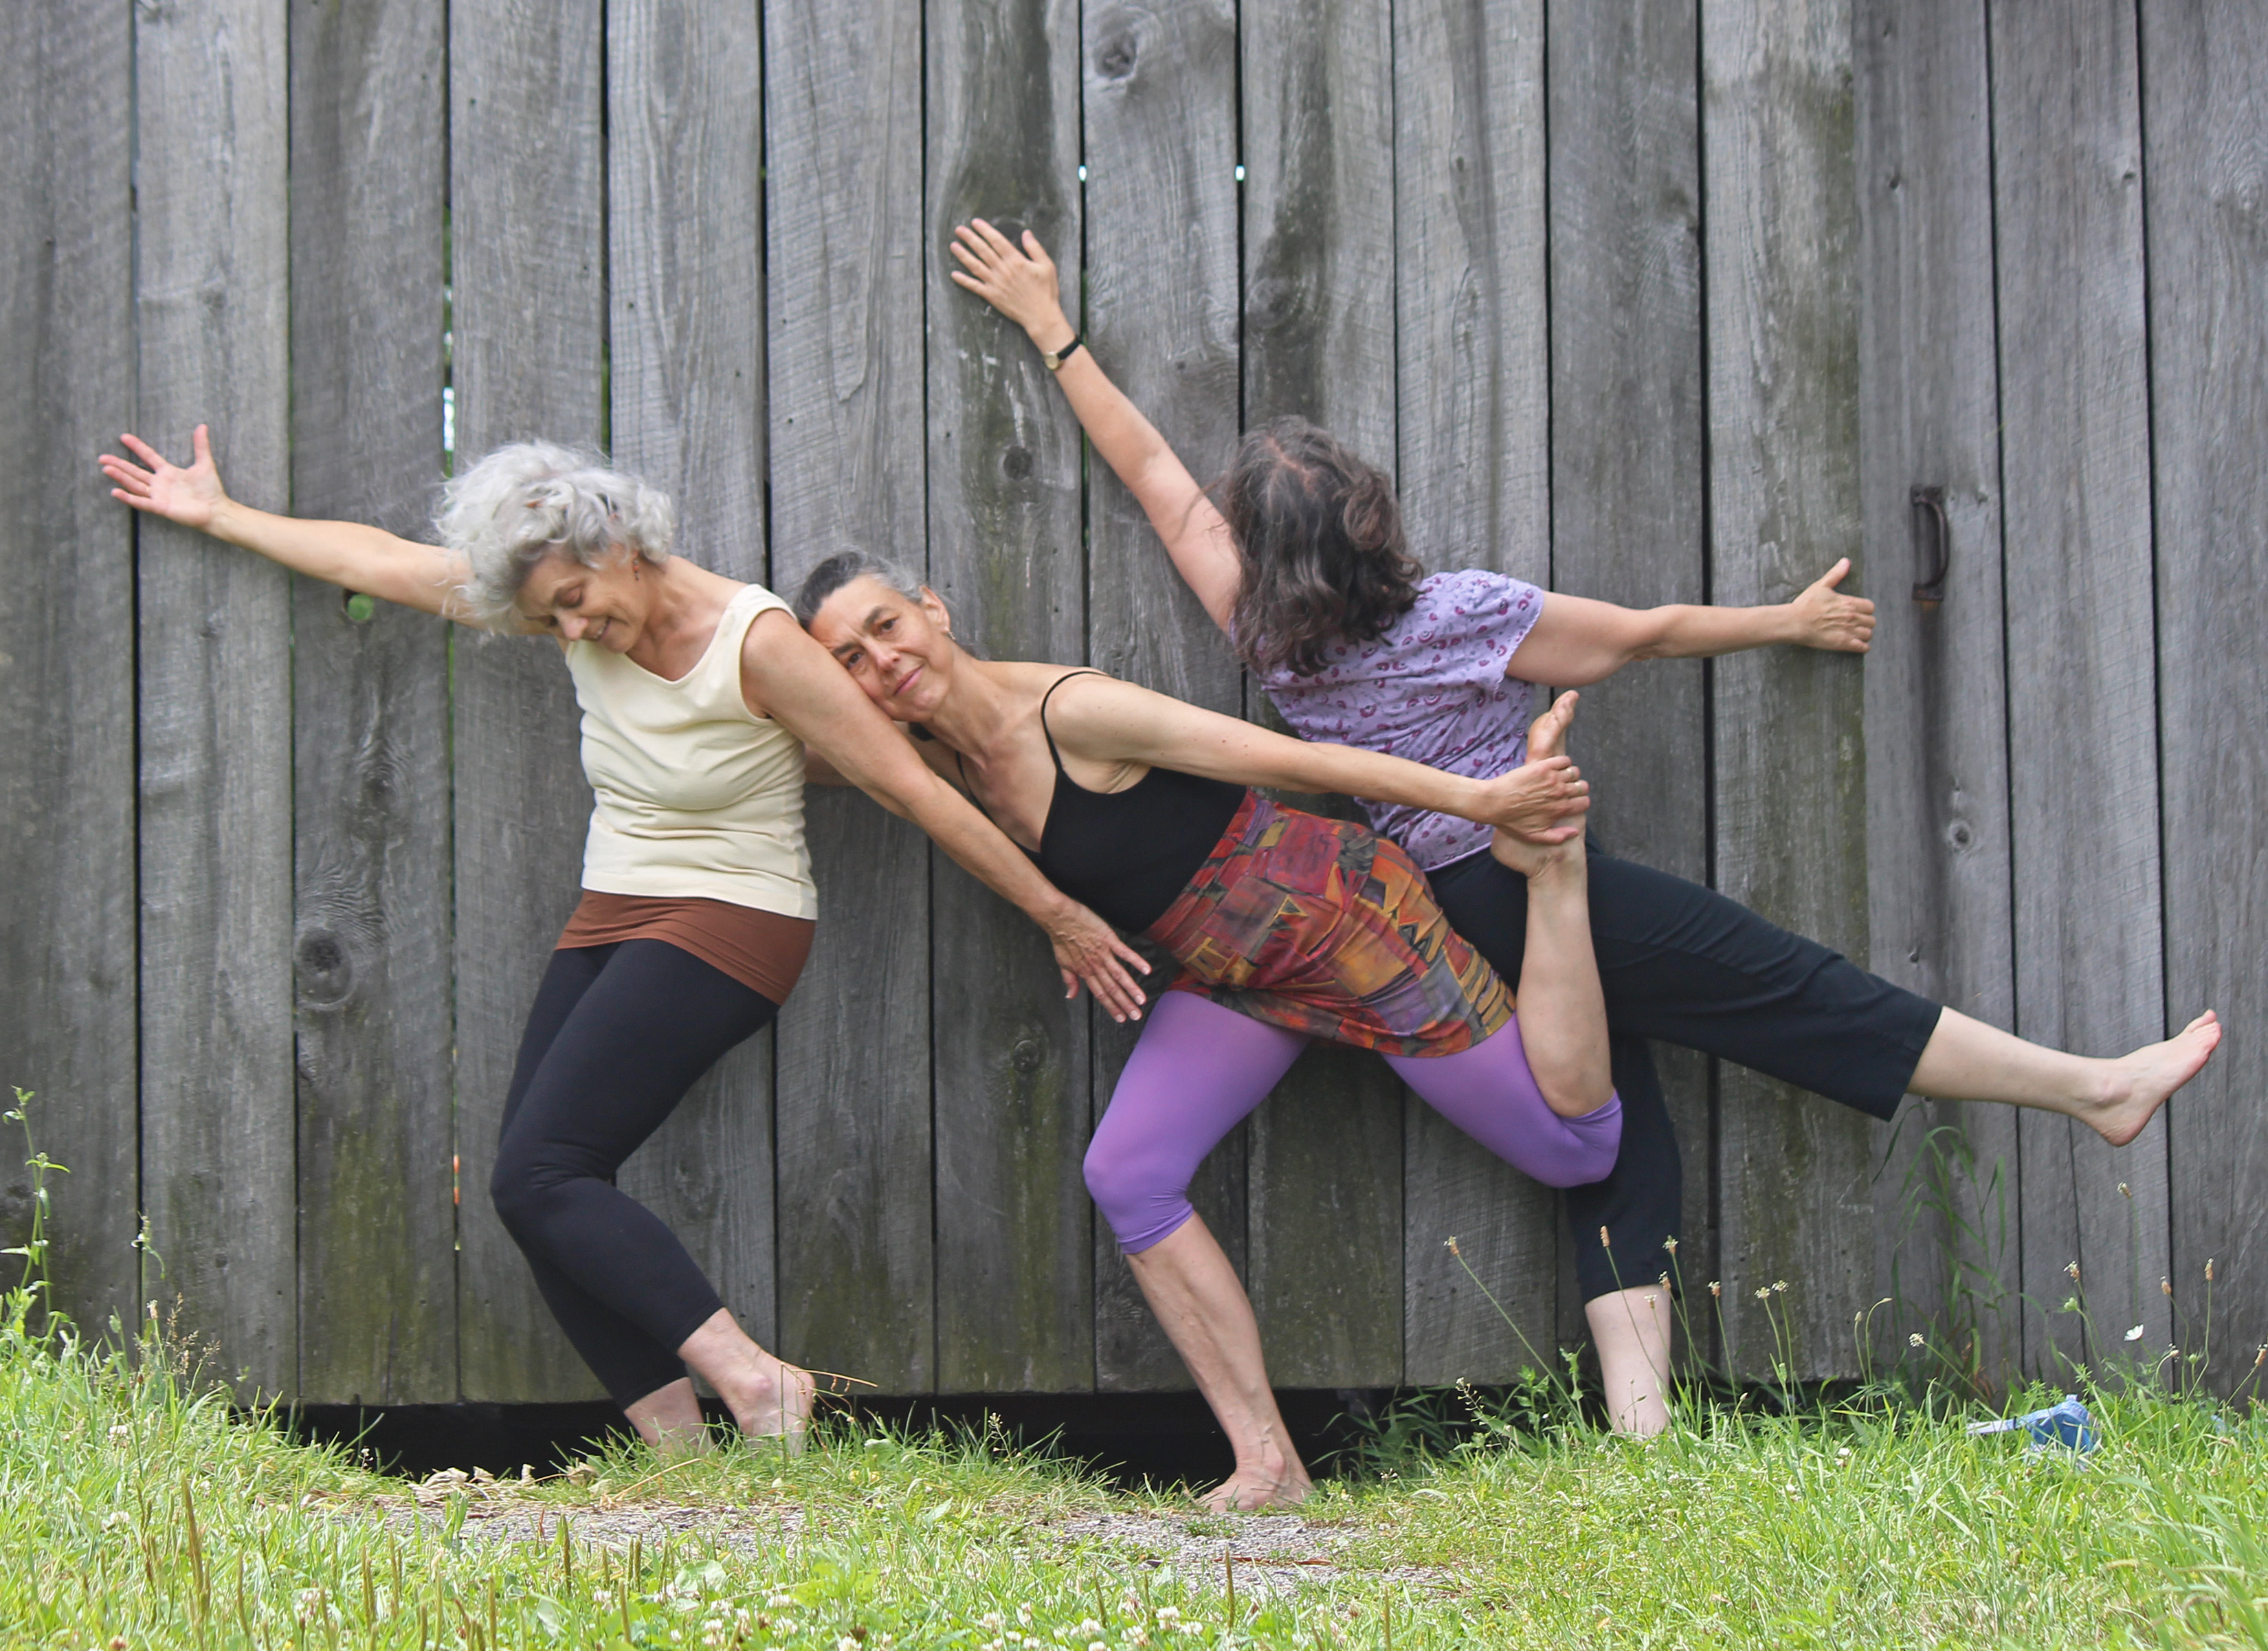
x: 1319, y: 541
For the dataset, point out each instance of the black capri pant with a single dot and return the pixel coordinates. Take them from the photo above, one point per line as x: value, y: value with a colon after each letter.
x: 1685, y: 964
x: 618, y: 1034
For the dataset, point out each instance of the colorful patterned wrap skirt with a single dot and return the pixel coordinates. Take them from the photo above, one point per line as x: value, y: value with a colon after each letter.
x: 1323, y: 927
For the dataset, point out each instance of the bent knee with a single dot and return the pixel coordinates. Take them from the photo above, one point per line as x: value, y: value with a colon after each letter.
x: 1592, y: 1143
x: 1108, y: 1180
x: 1140, y: 1208
x: 524, y: 1189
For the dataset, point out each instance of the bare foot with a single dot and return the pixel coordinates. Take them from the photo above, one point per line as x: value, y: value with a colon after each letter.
x: 2144, y: 1081
x: 1248, y: 1488
x: 777, y: 1404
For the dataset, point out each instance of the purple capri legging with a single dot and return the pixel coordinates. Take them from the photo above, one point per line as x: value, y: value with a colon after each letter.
x: 1200, y: 1069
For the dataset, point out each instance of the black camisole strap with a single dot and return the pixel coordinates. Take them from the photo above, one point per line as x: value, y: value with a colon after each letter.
x: 961, y: 766
x: 1047, y: 732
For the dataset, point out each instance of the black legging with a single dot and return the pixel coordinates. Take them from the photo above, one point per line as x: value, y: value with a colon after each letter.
x: 1685, y: 964
x: 618, y: 1034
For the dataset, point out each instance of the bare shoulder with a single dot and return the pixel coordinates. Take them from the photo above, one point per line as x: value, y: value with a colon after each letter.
x: 776, y: 653
x: 1105, y: 719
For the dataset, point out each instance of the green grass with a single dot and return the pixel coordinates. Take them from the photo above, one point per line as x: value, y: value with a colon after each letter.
x: 133, y: 1510
x: 138, y: 1509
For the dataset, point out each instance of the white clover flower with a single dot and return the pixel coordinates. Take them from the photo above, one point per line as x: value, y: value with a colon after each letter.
x: 1024, y: 1616
x: 1087, y: 1628
x: 993, y: 1621
x: 780, y: 1601
x: 846, y: 1643
x: 1914, y: 1340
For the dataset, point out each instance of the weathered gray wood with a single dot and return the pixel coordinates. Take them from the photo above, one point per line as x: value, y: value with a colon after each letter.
x: 686, y: 331
x: 2075, y: 452
x: 1472, y: 362
x: 1160, y: 107
x: 1936, y: 713
x: 1325, y: 1204
x: 67, y: 1023
x: 528, y: 241
x: 1015, y: 1269
x: 1472, y: 373
x: 1790, y: 779
x: 844, y: 265
x: 211, y: 141
x: 1627, y: 486
x: 2206, y: 123
x: 378, y: 1264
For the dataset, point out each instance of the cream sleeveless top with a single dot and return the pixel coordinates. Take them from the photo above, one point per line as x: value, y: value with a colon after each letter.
x: 694, y: 794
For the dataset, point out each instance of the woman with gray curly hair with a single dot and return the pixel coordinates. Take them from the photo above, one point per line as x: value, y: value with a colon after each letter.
x: 699, y: 696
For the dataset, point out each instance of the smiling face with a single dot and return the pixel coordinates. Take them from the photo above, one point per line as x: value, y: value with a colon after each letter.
x: 607, y: 605
x: 897, y: 648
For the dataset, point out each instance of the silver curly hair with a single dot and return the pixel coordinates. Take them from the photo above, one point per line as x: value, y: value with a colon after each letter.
x: 532, y: 498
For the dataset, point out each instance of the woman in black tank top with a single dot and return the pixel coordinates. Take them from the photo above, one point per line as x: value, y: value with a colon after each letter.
x: 1288, y: 926
x: 1135, y: 850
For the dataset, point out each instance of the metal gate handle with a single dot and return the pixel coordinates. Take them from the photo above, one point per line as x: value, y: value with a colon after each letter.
x: 1928, y: 505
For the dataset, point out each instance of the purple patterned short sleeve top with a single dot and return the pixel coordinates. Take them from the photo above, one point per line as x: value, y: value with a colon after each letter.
x: 1432, y: 688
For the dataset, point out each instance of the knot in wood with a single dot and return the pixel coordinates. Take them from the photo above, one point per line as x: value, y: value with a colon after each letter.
x: 1025, y: 1055
x: 325, y: 968
x: 1017, y: 463
x: 1115, y: 60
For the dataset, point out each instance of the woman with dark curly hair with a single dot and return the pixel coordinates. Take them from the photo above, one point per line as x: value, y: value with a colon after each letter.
x: 1302, y: 563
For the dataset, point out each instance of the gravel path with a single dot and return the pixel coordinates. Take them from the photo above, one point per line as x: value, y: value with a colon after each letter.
x: 1272, y: 1554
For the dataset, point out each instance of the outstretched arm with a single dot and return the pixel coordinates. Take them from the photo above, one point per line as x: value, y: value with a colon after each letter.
x: 785, y: 675
x: 1021, y: 283
x: 1108, y: 721
x: 1576, y: 641
x: 343, y: 553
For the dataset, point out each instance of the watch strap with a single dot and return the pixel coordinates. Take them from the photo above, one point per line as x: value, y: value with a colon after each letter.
x: 1054, y: 358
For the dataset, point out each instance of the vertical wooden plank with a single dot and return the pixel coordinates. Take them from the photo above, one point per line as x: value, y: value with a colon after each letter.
x: 67, y: 779
x: 1015, y: 1272
x: 1936, y: 703
x: 845, y: 266
x: 216, y: 686
x: 1472, y: 373
x: 1160, y: 107
x: 528, y: 224
x: 370, y: 823
x: 687, y: 347
x: 1326, y: 1207
x: 2206, y: 123
x: 1789, y: 762
x: 1626, y: 455
x: 2075, y: 452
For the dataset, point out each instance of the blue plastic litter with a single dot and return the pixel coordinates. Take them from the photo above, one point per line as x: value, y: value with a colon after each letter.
x: 2064, y: 1427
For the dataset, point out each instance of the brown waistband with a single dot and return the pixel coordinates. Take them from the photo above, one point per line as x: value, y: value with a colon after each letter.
x: 765, y: 951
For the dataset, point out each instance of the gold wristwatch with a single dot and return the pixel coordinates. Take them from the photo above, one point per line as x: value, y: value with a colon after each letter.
x: 1054, y: 358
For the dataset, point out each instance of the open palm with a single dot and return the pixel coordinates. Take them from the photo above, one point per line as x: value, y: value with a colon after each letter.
x: 189, y: 497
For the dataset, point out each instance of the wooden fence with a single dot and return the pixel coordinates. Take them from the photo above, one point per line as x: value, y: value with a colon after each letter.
x: 1656, y: 302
